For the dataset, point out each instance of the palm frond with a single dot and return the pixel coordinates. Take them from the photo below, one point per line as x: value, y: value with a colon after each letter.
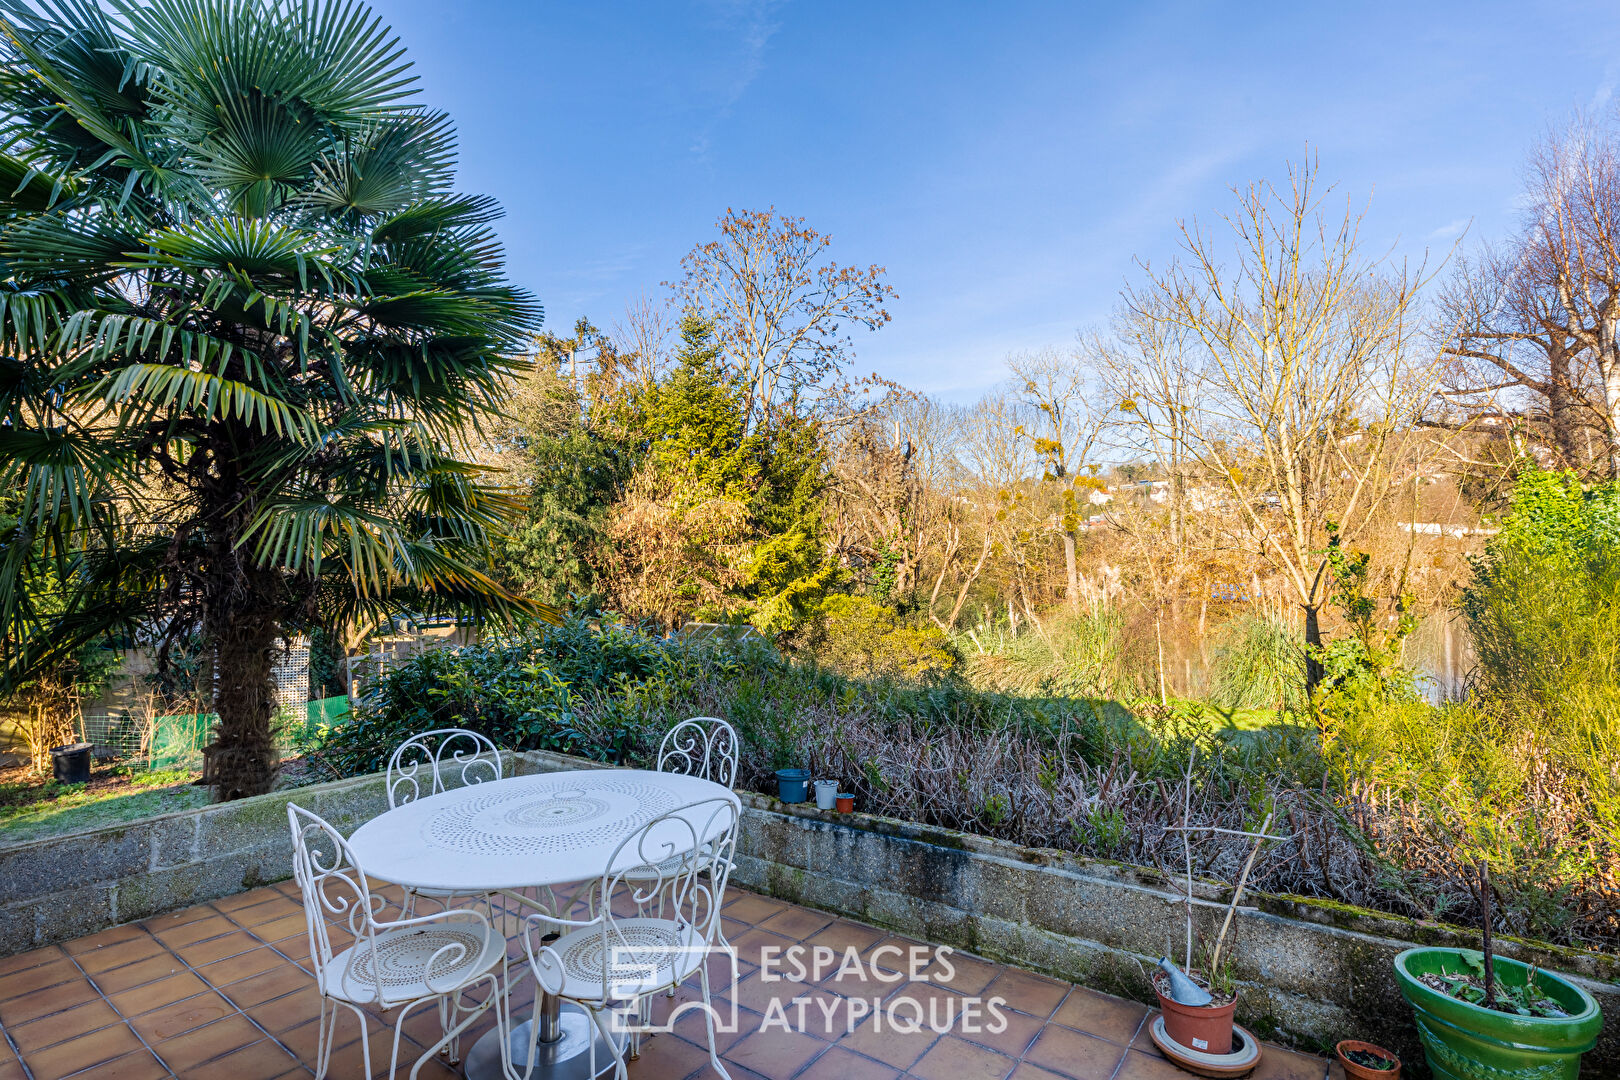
x: 210, y: 397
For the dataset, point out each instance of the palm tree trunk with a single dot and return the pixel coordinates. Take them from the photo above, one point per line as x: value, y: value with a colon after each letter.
x: 243, y: 760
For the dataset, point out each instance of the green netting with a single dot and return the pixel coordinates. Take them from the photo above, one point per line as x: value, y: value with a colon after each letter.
x: 328, y: 710
x: 178, y: 740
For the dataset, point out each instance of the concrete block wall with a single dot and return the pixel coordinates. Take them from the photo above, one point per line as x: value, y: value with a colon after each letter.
x: 1310, y: 973
x: 58, y: 888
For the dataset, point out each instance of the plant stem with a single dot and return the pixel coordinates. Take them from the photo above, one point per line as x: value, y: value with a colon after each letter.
x: 1186, y: 847
x: 1237, y: 894
x: 1485, y: 906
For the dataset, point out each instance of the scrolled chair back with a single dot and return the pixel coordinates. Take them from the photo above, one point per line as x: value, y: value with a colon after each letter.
x: 333, y: 885
x: 704, y: 746
x: 420, y: 763
x: 674, y: 868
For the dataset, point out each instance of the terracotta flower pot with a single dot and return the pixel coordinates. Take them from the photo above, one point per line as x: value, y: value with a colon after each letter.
x: 846, y: 803
x: 1206, y: 1028
x: 1352, y: 1071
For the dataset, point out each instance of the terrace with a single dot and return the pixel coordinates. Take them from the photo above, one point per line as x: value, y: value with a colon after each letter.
x: 279, y: 423
x: 222, y: 989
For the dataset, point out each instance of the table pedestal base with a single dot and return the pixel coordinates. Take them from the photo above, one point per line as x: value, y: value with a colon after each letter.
x: 569, y: 1058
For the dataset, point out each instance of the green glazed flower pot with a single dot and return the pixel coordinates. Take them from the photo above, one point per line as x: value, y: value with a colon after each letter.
x: 1469, y: 1042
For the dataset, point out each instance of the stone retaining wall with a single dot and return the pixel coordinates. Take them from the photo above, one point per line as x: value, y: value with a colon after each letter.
x: 1310, y: 972
x: 58, y: 888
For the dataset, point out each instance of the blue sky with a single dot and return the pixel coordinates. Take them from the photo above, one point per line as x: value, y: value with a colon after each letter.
x: 1005, y: 161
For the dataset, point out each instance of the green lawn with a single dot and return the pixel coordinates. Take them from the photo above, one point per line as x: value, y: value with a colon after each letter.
x: 1236, y: 720
x: 30, y: 810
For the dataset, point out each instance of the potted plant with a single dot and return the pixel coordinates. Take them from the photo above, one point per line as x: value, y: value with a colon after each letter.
x: 1367, y: 1061
x: 1197, y: 1007
x: 1487, y: 1017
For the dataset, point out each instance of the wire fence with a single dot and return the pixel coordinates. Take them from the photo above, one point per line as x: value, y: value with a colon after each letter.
x: 177, y: 740
x: 138, y: 733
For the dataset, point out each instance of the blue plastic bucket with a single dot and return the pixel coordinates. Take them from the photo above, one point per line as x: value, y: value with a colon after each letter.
x: 793, y: 785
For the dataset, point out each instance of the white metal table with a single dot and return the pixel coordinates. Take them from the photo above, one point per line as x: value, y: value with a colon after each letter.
x: 538, y: 831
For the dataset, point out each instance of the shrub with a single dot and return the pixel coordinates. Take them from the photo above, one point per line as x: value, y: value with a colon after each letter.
x: 1259, y: 663
x: 863, y: 639
x: 1079, y: 654
x: 1523, y: 775
x: 522, y: 691
x: 1544, y: 609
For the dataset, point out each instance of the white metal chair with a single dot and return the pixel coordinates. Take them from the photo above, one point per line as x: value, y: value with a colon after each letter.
x: 418, y: 768
x: 611, y: 965
x: 400, y: 963
x: 703, y: 746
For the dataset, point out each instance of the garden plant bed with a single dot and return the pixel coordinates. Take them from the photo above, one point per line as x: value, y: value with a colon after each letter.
x: 32, y: 807
x: 1094, y: 777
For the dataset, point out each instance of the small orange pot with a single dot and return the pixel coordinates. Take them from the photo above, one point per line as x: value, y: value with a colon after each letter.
x: 846, y: 803
x: 1352, y: 1071
x: 1205, y: 1028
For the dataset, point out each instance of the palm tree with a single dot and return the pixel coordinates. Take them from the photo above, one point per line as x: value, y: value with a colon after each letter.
x: 247, y: 335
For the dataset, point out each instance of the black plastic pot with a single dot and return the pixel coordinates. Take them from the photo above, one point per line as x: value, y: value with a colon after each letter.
x: 71, y: 764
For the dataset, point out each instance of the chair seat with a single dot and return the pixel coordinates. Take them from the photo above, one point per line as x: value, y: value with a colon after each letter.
x: 644, y: 955
x: 392, y: 966
x: 665, y: 870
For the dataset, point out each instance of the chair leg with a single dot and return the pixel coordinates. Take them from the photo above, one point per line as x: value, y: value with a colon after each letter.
x: 454, y: 1033
x: 621, y: 1071
x: 365, y: 1039
x: 323, y: 1038
x: 399, y: 1029
x: 708, y: 1022
x: 444, y: 1025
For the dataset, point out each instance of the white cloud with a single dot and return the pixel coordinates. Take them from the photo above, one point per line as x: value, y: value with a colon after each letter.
x: 1450, y: 230
x: 753, y: 24
x: 1605, y: 90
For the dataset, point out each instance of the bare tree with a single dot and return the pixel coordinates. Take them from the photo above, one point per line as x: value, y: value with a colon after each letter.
x: 1310, y: 393
x: 1573, y: 244
x: 781, y: 308
x: 997, y: 464
x: 1063, y: 429
x: 1147, y: 368
x: 644, y: 332
x: 1513, y: 356
x: 891, y: 472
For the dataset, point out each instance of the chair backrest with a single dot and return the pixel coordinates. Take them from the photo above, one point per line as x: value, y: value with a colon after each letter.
x: 420, y: 763
x: 333, y: 886
x: 703, y: 746
x: 674, y: 868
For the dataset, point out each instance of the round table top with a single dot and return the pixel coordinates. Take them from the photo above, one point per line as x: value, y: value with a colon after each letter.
x: 545, y: 829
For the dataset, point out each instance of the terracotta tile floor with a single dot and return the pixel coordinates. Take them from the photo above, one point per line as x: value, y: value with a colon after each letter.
x: 218, y: 990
